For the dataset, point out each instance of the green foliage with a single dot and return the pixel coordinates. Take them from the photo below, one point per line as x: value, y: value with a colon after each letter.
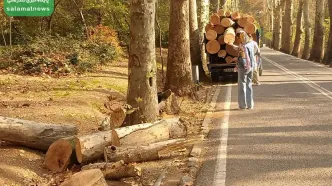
x: 56, y: 55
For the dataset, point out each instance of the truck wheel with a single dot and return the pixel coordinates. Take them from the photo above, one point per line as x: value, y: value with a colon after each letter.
x: 215, y: 76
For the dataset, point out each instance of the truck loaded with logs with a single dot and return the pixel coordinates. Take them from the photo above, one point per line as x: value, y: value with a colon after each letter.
x: 220, y: 36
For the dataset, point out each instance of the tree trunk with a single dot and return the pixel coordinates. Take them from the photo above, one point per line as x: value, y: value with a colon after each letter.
x: 277, y: 26
x: 142, y: 85
x: 93, y: 177
x: 194, y: 40
x: 32, y: 134
x: 136, y: 154
x: 286, y: 45
x: 317, y: 50
x: 179, y: 74
x: 91, y: 147
x: 306, y: 50
x: 214, y: 6
x: 222, y: 3
x: 203, y: 21
x: 299, y: 30
x: 115, y: 171
x: 328, y: 52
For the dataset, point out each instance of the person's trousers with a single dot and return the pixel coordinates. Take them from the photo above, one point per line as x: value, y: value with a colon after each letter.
x: 245, y: 91
x: 255, y: 78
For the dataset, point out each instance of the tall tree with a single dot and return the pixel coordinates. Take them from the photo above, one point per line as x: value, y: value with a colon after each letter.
x: 299, y: 30
x: 317, y: 50
x: 194, y: 39
x: 142, y: 88
x: 277, y: 24
x: 328, y: 52
x: 214, y: 6
x: 286, y: 36
x: 179, y: 75
x: 307, y: 30
x: 203, y: 20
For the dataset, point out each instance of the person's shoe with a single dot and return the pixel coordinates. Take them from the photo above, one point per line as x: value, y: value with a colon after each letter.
x: 250, y: 108
x: 241, y: 108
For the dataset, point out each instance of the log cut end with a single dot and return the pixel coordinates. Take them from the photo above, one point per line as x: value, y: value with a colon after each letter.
x: 58, y: 155
x: 219, y: 29
x: 78, y: 149
x: 221, y: 40
x: 215, y: 19
x: 213, y: 47
x: 211, y: 35
x: 93, y: 177
x: 250, y: 28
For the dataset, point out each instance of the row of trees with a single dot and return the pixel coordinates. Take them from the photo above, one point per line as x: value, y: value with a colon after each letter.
x: 186, y: 29
x: 314, y: 42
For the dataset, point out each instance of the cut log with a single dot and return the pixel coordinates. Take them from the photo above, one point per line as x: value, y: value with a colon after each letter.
x: 213, y: 47
x: 116, y: 112
x: 115, y: 171
x: 221, y: 12
x: 93, y: 177
x: 215, y: 19
x: 231, y: 51
x: 229, y: 59
x: 208, y: 27
x: 60, y: 154
x: 32, y: 134
x: 228, y: 14
x: 250, y: 19
x: 235, y: 16
x: 211, y: 35
x: 136, y: 154
x: 250, y: 28
x: 91, y: 147
x: 242, y: 22
x: 221, y: 40
x: 227, y: 22
x: 229, y: 35
x: 219, y: 29
x: 222, y: 53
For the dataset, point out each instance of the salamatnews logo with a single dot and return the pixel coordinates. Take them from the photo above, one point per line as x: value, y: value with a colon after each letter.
x: 29, y: 7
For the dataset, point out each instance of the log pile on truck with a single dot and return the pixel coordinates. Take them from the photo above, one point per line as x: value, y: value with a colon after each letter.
x: 221, y: 31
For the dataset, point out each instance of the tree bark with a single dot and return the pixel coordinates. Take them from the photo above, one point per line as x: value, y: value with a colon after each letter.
x: 179, y: 75
x: 91, y: 147
x: 222, y: 3
x: 286, y: 45
x: 115, y: 171
x: 317, y: 50
x: 214, y: 6
x: 136, y: 154
x: 307, y: 30
x: 32, y: 134
x: 328, y: 52
x: 277, y: 26
x: 142, y: 85
x: 93, y: 177
x: 203, y: 20
x: 195, y: 53
x: 299, y: 30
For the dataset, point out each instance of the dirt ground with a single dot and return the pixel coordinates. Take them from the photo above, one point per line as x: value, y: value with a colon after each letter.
x: 79, y: 100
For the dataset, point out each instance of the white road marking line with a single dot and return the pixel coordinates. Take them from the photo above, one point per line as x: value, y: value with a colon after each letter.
x: 311, y: 62
x: 220, y: 171
x: 310, y: 83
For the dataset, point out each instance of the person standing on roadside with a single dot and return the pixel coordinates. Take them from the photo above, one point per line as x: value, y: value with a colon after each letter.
x: 246, y: 63
x: 257, y: 53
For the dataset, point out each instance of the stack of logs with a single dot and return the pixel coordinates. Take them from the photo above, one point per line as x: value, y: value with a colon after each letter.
x: 221, y: 31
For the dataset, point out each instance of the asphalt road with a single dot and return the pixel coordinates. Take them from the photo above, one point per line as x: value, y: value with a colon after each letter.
x: 285, y: 140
